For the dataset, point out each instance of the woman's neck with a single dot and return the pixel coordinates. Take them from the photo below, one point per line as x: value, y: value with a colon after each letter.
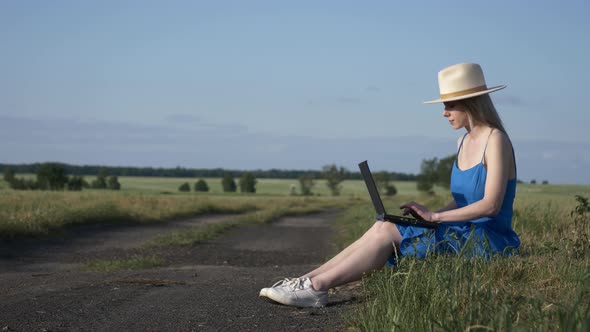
x: 477, y: 130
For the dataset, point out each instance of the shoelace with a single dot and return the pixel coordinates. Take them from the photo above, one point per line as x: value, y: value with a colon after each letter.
x: 281, y: 283
x: 296, y: 283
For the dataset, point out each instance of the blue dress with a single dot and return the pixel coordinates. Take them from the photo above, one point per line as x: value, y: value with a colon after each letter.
x: 480, y: 237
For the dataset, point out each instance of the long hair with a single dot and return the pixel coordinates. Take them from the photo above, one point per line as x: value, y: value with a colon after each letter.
x: 481, y: 109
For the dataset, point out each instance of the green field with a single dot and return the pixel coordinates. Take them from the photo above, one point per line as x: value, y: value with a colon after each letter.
x: 546, y: 287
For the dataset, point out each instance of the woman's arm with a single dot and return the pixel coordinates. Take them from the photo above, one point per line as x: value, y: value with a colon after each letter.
x: 497, y: 156
x: 451, y: 206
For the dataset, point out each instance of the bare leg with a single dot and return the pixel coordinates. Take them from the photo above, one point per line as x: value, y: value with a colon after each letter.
x: 344, y: 253
x: 372, y: 255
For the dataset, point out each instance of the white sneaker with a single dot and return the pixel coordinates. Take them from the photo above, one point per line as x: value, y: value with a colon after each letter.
x: 280, y: 283
x: 298, y: 293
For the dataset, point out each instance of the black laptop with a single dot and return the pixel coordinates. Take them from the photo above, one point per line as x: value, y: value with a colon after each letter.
x: 380, y: 209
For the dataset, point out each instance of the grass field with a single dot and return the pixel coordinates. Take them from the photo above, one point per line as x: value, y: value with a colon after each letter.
x: 546, y: 287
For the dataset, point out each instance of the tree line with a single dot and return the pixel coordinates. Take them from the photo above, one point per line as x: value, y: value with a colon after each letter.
x: 89, y: 170
x: 53, y: 176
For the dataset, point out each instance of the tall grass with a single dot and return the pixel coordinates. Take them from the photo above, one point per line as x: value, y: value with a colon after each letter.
x: 544, y: 288
x: 32, y: 213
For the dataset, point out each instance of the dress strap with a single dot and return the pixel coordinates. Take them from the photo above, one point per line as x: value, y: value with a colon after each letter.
x: 461, y: 145
x: 485, y: 147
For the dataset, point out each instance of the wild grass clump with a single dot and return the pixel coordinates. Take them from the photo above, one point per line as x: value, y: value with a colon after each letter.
x: 545, y: 287
x: 457, y: 294
x: 39, y: 213
x: 131, y: 263
x: 202, y: 233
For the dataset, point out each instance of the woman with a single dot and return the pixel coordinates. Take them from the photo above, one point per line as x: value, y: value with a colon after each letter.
x: 477, y: 222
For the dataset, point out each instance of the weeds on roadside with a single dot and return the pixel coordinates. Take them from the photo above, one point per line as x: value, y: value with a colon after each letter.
x: 545, y: 288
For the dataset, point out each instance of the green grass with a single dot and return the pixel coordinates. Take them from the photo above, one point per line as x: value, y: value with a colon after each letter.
x: 544, y: 288
x: 132, y: 263
x: 201, y: 233
x: 33, y: 213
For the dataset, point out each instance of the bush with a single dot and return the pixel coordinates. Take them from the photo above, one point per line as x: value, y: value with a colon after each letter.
x: 228, y: 183
x: 23, y: 184
x: 248, y: 183
x: 306, y: 183
x: 185, y: 187
x: 101, y: 180
x: 76, y: 183
x: 113, y: 183
x: 334, y: 176
x: 52, y: 176
x: 382, y: 182
x: 424, y: 183
x: 8, y: 175
x: 390, y: 190
x: 201, y: 185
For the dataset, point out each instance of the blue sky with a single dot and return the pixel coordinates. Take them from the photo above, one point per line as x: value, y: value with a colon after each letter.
x: 291, y: 85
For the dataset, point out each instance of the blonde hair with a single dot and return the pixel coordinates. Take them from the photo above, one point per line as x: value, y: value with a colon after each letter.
x: 481, y: 109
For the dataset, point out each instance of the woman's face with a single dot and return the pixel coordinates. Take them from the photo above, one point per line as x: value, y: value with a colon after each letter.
x: 455, y: 112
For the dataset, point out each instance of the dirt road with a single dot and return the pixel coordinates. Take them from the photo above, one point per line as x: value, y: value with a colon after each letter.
x: 210, y: 287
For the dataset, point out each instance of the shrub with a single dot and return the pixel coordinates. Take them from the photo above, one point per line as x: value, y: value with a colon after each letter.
x: 185, y: 187
x: 390, y: 190
x: 306, y: 183
x: 8, y: 175
x: 101, y: 180
x: 76, y: 183
x: 248, y: 183
x: 334, y: 176
x: 201, y: 185
x: 113, y: 183
x: 52, y: 176
x: 228, y: 183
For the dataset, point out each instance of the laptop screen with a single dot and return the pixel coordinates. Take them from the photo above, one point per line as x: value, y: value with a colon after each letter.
x: 368, y: 177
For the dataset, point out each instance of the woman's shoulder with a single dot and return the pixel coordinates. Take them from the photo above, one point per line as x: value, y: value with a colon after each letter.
x: 499, y: 139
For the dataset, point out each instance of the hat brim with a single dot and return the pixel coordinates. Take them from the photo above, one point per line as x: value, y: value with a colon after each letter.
x: 475, y: 94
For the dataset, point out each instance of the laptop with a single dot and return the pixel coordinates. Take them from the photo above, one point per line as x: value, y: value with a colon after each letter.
x: 380, y: 209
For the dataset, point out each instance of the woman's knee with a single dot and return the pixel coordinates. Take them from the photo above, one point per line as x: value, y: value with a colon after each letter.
x: 388, y: 232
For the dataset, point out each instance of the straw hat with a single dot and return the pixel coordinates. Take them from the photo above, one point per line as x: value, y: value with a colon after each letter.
x: 461, y: 81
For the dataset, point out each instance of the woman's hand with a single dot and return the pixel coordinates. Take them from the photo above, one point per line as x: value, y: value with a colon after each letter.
x: 418, y: 211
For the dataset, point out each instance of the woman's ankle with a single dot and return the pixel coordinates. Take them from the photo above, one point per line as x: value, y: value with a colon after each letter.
x: 318, y: 286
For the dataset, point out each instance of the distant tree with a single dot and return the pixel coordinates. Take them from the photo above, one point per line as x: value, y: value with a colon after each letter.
x: 443, y: 171
x: 424, y: 184
x: 52, y: 176
x: 545, y: 182
x: 76, y: 183
x: 390, y: 190
x: 382, y: 180
x: 306, y: 183
x: 101, y: 180
x: 428, y: 175
x: 334, y: 176
x: 185, y: 187
x: 248, y: 183
x: 113, y: 183
x: 8, y: 175
x: 201, y: 185
x: 228, y: 183
x: 533, y: 181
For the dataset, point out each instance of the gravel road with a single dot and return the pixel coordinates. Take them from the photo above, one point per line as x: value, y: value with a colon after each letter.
x: 209, y: 287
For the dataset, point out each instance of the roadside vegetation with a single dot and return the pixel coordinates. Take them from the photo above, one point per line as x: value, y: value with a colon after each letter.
x: 544, y: 288
x: 34, y: 213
